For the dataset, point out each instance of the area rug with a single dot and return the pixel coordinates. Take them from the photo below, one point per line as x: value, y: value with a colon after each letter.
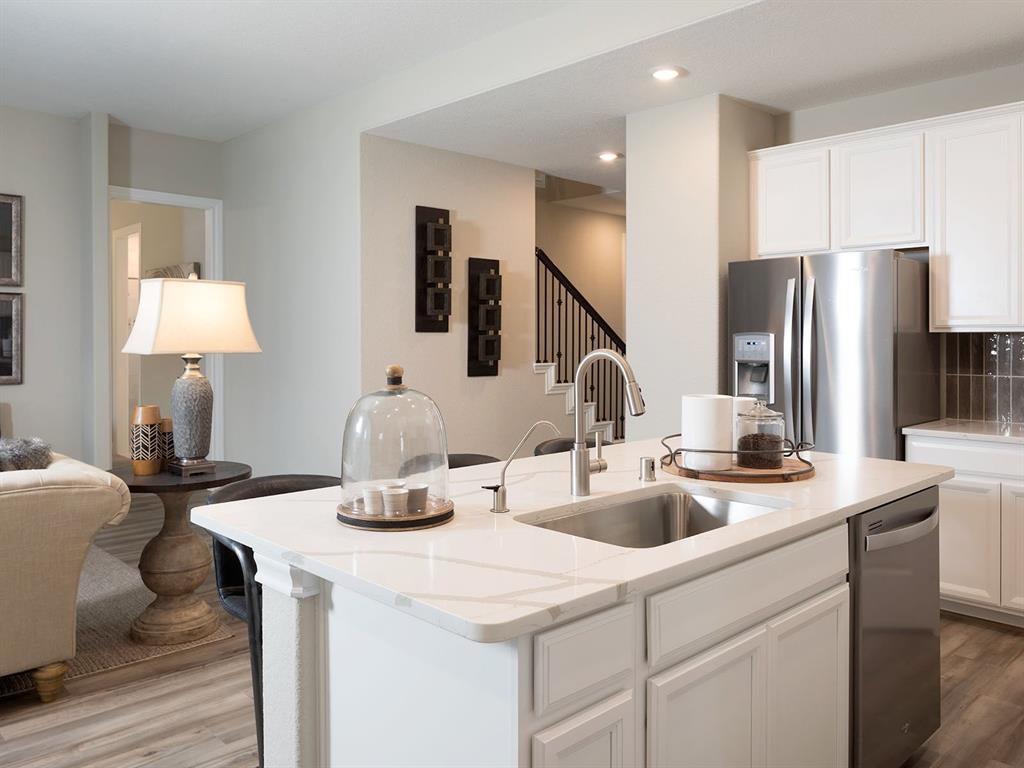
x: 110, y: 595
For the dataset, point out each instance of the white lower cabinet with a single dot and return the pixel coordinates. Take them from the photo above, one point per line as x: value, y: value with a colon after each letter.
x: 1013, y: 546
x: 711, y: 711
x: 809, y: 683
x: 602, y: 736
x: 777, y: 695
x: 969, y: 533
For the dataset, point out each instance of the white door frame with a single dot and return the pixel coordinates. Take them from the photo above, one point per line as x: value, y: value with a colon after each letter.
x: 214, y: 270
x: 127, y: 372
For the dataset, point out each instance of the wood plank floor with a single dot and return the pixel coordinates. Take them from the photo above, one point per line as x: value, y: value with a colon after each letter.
x: 191, y: 709
x: 982, y: 698
x: 194, y: 709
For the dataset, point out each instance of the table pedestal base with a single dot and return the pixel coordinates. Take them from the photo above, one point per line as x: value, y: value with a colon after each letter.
x: 173, y: 565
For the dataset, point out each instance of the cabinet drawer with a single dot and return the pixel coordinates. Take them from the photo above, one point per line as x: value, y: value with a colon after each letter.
x: 688, y: 618
x: 576, y: 660
x: 974, y: 456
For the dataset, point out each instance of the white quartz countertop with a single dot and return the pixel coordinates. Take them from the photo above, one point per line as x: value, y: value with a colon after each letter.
x: 961, y: 429
x: 491, y: 577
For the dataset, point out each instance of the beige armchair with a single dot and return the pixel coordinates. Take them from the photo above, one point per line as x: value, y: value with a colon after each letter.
x: 48, y: 517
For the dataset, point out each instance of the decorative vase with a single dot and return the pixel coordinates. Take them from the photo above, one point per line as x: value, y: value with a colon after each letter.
x: 166, y: 441
x: 145, y: 440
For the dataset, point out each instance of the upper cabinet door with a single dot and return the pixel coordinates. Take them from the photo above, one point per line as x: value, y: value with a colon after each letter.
x: 1013, y: 546
x: 791, y: 202
x: 974, y: 223
x: 878, y: 192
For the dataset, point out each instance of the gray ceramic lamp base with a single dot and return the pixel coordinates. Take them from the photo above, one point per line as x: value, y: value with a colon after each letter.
x: 192, y: 418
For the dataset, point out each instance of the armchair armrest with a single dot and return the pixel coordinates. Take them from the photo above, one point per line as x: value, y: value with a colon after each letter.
x: 67, y: 474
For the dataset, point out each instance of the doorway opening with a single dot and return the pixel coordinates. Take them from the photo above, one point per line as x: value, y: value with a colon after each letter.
x: 152, y: 235
x: 581, y: 289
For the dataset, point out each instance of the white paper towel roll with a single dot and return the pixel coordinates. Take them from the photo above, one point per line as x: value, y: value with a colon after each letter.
x: 740, y: 405
x: 707, y: 424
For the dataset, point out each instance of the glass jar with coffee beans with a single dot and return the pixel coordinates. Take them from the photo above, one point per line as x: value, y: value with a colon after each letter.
x: 759, y: 439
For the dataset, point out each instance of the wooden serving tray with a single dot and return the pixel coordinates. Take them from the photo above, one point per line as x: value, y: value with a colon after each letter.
x: 436, y: 514
x: 791, y: 471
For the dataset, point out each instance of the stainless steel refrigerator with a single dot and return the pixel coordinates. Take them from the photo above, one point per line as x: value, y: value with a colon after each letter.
x: 839, y: 343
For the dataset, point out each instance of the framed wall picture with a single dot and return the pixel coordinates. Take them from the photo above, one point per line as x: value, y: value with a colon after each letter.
x: 11, y: 207
x: 11, y: 333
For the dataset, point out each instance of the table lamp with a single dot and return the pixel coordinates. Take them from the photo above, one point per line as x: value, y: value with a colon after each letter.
x: 191, y: 318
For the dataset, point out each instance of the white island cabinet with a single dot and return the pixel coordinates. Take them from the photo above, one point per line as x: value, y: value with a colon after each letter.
x: 492, y: 642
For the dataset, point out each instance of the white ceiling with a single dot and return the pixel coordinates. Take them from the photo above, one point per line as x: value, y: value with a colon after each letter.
x: 781, y: 54
x: 215, y: 70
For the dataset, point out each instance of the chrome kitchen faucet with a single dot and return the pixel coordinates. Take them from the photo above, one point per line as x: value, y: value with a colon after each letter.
x: 581, y: 466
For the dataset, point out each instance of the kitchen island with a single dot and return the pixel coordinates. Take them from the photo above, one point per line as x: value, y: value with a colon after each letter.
x: 493, y: 641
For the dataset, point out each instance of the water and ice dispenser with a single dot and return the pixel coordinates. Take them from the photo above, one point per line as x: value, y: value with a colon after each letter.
x: 754, y: 365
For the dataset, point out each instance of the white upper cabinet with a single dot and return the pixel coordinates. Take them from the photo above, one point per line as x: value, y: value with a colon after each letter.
x: 878, y: 192
x: 974, y: 230
x: 790, y: 202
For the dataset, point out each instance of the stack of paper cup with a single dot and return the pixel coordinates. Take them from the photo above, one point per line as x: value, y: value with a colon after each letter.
x: 707, y: 425
x: 740, y: 405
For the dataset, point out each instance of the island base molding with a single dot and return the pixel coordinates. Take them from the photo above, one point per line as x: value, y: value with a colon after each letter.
x: 292, y: 650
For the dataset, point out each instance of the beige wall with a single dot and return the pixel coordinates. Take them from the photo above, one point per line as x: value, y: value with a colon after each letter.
x: 164, y: 163
x: 492, y: 215
x: 45, y: 159
x: 941, y: 97
x: 588, y: 247
x: 168, y: 237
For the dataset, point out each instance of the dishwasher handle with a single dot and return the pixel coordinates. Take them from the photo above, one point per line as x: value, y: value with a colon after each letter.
x: 903, y: 535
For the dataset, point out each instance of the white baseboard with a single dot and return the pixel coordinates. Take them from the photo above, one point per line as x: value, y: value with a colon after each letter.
x: 1000, y: 616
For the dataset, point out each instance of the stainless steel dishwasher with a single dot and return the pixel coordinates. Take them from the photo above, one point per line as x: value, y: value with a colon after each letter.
x: 894, y: 584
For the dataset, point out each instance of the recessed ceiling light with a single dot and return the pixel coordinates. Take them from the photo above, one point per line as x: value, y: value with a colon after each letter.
x: 666, y: 73
x: 609, y: 157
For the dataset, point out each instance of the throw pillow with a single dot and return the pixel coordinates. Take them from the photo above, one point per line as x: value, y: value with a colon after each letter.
x: 23, y: 453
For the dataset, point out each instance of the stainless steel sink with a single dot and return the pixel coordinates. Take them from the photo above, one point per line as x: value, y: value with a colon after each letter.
x: 654, y: 520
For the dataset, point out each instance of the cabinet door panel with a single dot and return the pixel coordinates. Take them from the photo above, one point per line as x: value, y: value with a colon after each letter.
x: 792, y: 202
x: 974, y: 223
x: 969, y: 550
x: 710, y: 711
x: 878, y: 192
x: 602, y: 736
x: 809, y: 683
x: 1013, y: 546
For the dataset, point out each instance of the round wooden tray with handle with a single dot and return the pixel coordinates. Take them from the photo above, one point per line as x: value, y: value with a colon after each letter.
x: 791, y: 470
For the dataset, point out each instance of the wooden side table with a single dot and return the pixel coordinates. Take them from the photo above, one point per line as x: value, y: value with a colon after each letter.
x: 176, y: 561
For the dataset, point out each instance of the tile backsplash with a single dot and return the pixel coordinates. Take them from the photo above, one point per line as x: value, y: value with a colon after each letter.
x: 984, y: 376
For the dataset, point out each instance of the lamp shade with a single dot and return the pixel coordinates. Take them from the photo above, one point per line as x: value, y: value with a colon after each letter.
x: 200, y: 316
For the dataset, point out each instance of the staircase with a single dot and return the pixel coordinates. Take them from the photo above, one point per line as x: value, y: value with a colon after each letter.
x: 568, y: 327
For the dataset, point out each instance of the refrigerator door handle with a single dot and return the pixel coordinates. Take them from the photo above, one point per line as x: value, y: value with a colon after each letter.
x: 904, y: 535
x: 807, y: 362
x: 787, y: 360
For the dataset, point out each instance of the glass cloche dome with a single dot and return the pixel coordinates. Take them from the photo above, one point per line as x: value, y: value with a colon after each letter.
x: 394, y: 460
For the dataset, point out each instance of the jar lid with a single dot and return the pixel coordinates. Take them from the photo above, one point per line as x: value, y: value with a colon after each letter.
x: 761, y: 412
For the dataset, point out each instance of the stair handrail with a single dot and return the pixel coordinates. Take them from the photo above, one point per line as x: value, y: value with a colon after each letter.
x: 589, y: 308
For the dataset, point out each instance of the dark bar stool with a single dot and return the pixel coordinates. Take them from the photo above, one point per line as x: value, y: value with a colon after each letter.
x: 456, y: 460
x: 558, y: 445
x: 235, y: 569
